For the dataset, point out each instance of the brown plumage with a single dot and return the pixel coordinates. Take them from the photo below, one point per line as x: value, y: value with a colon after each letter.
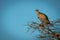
x: 45, y: 21
x: 42, y: 17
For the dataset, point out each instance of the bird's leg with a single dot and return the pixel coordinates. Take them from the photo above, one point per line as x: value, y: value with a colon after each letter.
x: 41, y: 26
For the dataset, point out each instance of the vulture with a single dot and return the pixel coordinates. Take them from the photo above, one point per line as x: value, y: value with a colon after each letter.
x: 43, y: 18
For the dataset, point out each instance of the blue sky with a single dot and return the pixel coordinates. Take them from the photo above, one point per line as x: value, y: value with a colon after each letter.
x: 15, y: 14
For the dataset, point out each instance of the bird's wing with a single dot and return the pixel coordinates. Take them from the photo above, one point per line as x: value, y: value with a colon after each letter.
x: 43, y: 18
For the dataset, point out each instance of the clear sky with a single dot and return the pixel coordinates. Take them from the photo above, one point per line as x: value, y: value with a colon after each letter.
x: 16, y: 13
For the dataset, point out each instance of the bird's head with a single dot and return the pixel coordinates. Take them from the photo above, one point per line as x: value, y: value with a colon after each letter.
x: 37, y: 10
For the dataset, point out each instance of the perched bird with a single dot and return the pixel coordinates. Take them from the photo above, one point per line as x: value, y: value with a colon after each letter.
x: 42, y: 17
x: 45, y: 21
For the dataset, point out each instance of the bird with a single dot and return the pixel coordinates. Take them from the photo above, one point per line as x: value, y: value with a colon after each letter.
x: 43, y: 18
x: 45, y: 21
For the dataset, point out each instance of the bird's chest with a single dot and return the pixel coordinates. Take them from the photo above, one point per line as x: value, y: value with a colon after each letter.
x: 41, y: 16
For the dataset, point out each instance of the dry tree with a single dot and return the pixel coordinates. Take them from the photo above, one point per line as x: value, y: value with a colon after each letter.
x: 47, y: 27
